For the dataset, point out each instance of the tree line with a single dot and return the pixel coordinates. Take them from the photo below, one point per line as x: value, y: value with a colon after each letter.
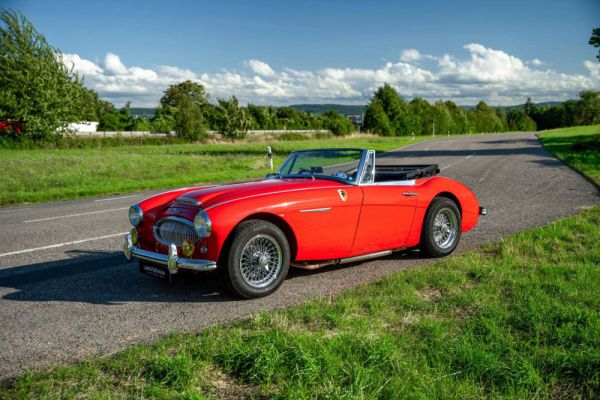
x: 389, y: 114
x: 185, y: 109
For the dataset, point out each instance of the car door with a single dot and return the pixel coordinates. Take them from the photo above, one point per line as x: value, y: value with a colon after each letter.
x: 325, y: 222
x: 386, y: 215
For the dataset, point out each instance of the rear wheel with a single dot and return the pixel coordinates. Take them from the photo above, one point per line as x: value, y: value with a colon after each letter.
x: 258, y: 259
x: 441, y: 229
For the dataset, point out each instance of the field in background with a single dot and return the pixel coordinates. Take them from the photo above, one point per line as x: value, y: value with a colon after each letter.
x: 35, y: 175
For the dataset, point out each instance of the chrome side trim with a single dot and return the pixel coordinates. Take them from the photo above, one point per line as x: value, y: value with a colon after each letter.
x: 324, y: 263
x: 366, y: 256
x: 314, y: 210
x: 172, y: 261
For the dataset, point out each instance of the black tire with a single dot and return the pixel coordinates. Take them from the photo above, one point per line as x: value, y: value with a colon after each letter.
x: 449, y: 212
x: 265, y: 251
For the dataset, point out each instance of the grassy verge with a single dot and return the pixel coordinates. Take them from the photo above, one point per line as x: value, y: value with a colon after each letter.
x: 578, y: 146
x: 518, y: 319
x: 46, y: 174
x: 43, y: 175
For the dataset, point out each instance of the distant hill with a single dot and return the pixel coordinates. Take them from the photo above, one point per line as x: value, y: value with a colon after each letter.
x: 141, y: 112
x: 344, y: 109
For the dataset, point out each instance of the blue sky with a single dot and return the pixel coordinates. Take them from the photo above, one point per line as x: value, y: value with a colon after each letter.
x: 321, y: 51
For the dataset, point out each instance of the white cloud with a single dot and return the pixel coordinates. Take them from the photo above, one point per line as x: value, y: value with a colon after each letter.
x: 410, y: 55
x: 536, y: 62
x: 113, y: 64
x: 259, y: 67
x: 484, y: 74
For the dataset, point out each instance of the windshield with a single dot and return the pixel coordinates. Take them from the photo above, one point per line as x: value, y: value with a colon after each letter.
x: 340, y: 164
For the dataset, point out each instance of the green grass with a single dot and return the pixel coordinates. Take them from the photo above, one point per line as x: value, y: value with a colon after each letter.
x: 578, y: 146
x: 47, y: 174
x: 518, y: 319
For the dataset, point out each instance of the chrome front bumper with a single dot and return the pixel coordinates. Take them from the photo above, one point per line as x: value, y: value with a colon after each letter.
x: 172, y: 261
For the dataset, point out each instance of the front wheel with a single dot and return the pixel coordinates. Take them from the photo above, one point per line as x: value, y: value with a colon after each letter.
x: 441, y: 229
x: 258, y: 259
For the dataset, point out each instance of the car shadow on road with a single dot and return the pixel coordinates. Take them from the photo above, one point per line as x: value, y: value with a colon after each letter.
x: 108, y: 278
x: 105, y: 278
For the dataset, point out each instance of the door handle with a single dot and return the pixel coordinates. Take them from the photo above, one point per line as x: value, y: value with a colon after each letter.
x: 409, y: 194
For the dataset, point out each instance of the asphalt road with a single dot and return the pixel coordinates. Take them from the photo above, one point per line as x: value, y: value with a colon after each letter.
x: 67, y: 292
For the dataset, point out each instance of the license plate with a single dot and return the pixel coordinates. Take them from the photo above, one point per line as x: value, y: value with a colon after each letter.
x: 154, y: 271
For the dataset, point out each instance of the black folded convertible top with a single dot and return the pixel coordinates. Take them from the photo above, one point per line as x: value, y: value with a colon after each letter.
x: 404, y: 172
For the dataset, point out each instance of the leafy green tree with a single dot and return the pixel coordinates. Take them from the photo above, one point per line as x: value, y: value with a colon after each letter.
x: 36, y: 86
x: 518, y: 120
x: 376, y: 120
x: 163, y: 120
x: 395, y: 108
x: 338, y: 125
x: 422, y: 116
x: 117, y: 120
x: 233, y: 120
x: 595, y: 40
x: 589, y: 108
x: 186, y: 89
x: 184, y: 103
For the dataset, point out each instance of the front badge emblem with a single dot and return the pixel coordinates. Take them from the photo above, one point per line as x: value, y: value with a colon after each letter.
x: 343, y: 195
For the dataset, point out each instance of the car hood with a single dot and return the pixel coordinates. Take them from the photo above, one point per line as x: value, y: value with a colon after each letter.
x: 214, y: 195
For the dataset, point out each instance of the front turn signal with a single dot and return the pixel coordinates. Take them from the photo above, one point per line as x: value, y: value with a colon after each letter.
x: 134, y: 236
x: 187, y: 248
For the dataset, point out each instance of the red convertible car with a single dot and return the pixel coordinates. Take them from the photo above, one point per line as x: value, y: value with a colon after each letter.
x: 322, y: 207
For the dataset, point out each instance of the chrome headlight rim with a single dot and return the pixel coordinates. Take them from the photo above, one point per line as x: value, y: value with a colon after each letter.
x: 136, y: 215
x: 203, y: 225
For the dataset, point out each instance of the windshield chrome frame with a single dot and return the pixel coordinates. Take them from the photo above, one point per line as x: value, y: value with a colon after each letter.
x: 359, y: 170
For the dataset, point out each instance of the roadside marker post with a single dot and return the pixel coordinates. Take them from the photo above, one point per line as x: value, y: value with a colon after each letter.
x: 413, y: 136
x: 270, y: 157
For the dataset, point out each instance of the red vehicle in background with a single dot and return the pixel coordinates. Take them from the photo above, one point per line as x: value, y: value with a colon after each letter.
x: 322, y: 207
x: 10, y: 127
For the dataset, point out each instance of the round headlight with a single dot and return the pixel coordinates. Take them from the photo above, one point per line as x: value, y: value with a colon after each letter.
x: 203, y: 225
x: 135, y: 215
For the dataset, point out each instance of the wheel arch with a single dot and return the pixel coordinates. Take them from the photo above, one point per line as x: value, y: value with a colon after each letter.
x: 272, y: 218
x: 445, y: 194
x: 450, y: 196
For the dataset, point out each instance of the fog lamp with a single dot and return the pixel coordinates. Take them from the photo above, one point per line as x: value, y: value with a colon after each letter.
x: 187, y: 248
x: 134, y: 236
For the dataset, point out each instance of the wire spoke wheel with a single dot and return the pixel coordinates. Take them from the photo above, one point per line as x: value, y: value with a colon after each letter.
x: 260, y: 261
x: 445, y: 228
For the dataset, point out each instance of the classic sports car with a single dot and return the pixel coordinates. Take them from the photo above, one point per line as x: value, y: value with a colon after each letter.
x: 322, y: 207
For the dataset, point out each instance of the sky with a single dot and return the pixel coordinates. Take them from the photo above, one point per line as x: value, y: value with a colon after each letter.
x: 326, y: 51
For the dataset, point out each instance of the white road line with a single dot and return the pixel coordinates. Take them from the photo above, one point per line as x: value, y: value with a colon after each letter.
x: 118, y: 198
x: 457, y: 162
x: 53, y: 246
x: 15, y: 210
x: 76, y: 215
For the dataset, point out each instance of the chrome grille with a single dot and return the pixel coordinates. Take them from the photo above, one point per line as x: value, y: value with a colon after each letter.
x: 175, y: 230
